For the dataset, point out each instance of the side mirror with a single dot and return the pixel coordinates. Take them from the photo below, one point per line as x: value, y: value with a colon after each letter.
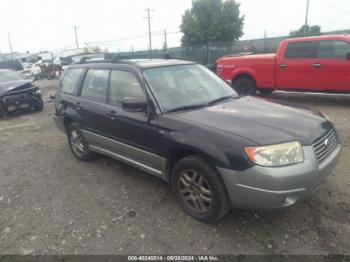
x: 348, y: 56
x: 134, y: 104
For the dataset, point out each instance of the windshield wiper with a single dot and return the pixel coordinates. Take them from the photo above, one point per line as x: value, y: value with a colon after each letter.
x: 224, y: 98
x: 189, y: 107
x: 184, y: 108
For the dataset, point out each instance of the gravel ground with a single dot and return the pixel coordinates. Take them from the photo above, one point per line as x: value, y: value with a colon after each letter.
x: 53, y: 204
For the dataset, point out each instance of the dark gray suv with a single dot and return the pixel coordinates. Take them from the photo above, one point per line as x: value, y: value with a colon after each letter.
x: 179, y: 121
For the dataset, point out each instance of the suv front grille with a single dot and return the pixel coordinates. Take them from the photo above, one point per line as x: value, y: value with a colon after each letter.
x: 325, y: 145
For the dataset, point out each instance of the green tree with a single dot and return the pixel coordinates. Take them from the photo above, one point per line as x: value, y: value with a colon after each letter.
x: 212, y: 21
x: 306, y: 30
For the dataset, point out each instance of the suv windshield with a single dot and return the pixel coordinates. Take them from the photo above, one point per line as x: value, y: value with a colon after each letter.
x: 187, y: 86
x: 10, y: 76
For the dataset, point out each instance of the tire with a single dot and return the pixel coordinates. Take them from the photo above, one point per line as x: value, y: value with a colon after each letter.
x: 204, y: 197
x: 38, y: 103
x: 266, y: 92
x: 77, y: 143
x: 245, y: 86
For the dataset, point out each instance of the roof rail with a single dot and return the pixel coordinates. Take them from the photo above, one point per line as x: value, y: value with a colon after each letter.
x: 119, y: 59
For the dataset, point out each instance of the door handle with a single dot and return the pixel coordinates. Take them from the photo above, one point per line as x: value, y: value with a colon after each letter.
x: 283, y: 66
x: 317, y: 65
x: 112, y: 115
x: 78, y: 105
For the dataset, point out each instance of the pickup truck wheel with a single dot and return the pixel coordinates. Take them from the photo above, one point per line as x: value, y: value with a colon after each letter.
x: 200, y: 189
x: 245, y: 86
x: 78, y: 144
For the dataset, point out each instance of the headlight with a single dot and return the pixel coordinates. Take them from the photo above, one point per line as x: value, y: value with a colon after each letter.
x: 38, y: 92
x: 276, y: 155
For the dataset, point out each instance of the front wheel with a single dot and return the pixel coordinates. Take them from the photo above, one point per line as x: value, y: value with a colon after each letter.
x: 245, y: 86
x: 200, y: 189
x: 38, y: 103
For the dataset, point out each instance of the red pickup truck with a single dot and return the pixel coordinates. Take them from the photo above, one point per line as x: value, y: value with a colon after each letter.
x: 316, y: 64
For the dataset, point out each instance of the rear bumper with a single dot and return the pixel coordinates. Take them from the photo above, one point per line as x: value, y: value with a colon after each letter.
x: 59, y: 121
x: 275, y: 188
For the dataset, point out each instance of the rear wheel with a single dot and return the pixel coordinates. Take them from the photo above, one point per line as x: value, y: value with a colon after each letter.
x: 245, y: 86
x: 78, y: 144
x: 200, y: 189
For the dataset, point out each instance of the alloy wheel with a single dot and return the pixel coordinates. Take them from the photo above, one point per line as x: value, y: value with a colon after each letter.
x: 195, y: 191
x: 76, y: 141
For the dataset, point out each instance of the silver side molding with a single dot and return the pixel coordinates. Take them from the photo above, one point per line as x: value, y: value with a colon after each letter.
x: 146, y: 161
x: 129, y: 161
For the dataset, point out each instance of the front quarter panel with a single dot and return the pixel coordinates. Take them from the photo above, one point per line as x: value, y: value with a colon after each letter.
x: 219, y: 148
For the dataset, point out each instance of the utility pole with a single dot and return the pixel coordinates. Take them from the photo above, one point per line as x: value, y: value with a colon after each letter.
x: 76, y: 36
x: 165, y: 41
x: 307, y: 17
x: 10, y: 45
x: 149, y: 30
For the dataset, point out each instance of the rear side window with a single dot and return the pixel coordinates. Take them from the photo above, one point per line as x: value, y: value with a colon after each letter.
x: 95, y: 85
x: 334, y: 49
x: 123, y: 84
x: 300, y: 50
x: 71, y: 80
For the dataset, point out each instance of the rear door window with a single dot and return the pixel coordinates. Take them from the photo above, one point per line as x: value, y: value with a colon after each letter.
x: 334, y: 49
x: 95, y: 85
x: 70, y: 81
x: 301, y: 50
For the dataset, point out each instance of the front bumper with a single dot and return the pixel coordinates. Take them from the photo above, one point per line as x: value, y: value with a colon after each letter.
x: 17, y: 101
x: 274, y: 188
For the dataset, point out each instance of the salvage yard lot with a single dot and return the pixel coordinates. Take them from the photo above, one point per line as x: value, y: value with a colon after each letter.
x: 53, y: 204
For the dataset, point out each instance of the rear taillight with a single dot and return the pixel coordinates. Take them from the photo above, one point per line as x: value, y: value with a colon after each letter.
x: 219, y: 69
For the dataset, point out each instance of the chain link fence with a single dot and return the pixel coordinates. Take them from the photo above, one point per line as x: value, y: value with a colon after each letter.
x: 208, y: 53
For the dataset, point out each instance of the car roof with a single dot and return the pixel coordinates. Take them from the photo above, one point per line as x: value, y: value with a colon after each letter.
x: 138, y: 63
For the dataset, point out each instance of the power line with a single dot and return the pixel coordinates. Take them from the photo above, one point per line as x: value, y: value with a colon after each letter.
x: 154, y: 33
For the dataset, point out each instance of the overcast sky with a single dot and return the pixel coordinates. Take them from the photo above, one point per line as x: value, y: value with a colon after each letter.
x: 120, y: 24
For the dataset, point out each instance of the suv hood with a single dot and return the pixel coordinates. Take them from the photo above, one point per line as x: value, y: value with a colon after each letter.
x: 7, y: 87
x: 262, y: 121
